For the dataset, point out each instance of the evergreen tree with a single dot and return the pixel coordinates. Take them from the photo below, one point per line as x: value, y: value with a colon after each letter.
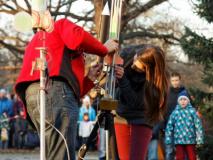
x: 199, y: 48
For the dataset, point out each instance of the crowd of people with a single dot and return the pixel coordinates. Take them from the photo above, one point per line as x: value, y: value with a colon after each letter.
x: 13, y: 123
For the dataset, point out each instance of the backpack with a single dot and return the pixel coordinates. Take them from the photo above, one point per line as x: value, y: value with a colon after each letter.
x: 31, y: 139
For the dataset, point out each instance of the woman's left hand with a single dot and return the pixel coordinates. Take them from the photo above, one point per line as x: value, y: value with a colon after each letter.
x: 119, y: 71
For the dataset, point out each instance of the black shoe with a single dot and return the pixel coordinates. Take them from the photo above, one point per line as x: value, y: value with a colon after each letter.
x: 102, y: 158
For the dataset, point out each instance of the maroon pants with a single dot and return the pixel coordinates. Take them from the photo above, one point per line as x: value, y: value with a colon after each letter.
x: 188, y: 150
x: 132, y: 141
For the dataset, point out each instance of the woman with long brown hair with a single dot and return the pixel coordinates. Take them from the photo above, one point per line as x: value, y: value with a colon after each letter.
x: 142, y: 93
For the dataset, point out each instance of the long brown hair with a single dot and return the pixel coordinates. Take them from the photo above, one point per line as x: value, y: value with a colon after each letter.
x: 156, y: 85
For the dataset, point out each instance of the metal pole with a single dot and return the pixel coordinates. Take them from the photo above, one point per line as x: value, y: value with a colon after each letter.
x: 41, y: 65
x: 107, y: 144
x: 42, y: 104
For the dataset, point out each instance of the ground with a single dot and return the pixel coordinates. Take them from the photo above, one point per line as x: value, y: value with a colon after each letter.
x: 34, y: 155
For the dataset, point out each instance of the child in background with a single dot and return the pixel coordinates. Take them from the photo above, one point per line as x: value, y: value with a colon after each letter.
x: 87, y: 108
x: 184, y: 128
x: 4, y: 131
x: 85, y: 128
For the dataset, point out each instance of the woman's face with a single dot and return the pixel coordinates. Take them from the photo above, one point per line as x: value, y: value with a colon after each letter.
x: 138, y: 65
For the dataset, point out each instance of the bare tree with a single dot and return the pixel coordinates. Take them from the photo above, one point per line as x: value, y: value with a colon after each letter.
x: 132, y: 9
x: 14, y: 43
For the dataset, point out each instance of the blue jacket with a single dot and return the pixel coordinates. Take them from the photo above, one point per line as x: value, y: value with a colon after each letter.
x: 90, y: 111
x: 6, y: 106
x: 184, y: 127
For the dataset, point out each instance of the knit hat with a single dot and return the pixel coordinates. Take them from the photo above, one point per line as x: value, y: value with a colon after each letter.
x: 183, y: 94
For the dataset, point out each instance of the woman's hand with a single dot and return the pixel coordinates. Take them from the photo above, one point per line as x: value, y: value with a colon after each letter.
x: 119, y: 71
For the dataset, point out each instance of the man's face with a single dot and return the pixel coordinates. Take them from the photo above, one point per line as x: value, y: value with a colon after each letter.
x: 183, y: 102
x: 175, y: 82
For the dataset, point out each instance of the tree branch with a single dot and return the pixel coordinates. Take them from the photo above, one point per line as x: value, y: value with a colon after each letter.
x: 138, y: 10
x: 13, y: 49
x: 141, y: 34
x: 7, y: 6
x: 72, y: 15
x: 28, y: 5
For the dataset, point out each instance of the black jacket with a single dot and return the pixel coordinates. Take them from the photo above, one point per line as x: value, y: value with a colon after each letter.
x: 172, y: 101
x: 130, y: 93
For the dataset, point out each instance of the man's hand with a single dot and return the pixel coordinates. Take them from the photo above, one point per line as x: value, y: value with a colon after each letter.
x: 111, y: 45
x: 119, y: 71
x: 94, y: 72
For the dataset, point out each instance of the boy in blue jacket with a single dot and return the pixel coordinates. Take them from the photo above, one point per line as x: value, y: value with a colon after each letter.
x: 184, y: 129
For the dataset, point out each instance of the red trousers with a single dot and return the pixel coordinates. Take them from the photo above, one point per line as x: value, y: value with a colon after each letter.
x: 188, y: 150
x: 132, y: 141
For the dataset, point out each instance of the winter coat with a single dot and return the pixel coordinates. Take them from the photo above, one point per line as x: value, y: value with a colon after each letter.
x: 6, y: 106
x: 130, y: 94
x: 90, y: 111
x: 184, y: 127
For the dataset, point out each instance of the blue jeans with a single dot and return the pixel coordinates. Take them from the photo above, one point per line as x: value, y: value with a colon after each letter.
x: 153, y: 150
x: 3, y: 144
x: 169, y: 151
x: 102, y: 145
x: 61, y: 111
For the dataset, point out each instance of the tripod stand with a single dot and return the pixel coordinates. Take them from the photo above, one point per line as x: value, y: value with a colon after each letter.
x: 107, y: 117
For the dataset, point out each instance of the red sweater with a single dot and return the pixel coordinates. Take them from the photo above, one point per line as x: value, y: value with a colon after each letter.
x: 67, y: 40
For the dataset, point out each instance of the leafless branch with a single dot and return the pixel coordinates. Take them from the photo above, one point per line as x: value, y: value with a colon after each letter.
x: 170, y: 38
x: 81, y: 18
x: 139, y: 9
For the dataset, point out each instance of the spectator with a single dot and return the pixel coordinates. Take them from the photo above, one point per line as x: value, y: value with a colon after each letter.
x: 4, y: 130
x: 184, y: 129
x: 175, y: 89
x: 87, y: 108
x: 20, y: 123
x: 85, y: 128
x: 6, y: 113
x: 6, y: 105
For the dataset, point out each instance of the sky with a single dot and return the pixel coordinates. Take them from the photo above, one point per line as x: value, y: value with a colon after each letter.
x: 180, y: 9
x: 183, y: 10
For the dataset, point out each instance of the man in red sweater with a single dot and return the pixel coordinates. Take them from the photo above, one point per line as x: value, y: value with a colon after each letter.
x: 65, y: 47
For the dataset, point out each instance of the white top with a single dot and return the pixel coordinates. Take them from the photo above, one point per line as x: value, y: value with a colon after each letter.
x: 85, y: 128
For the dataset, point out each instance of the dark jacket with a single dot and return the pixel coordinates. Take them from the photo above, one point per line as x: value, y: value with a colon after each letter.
x: 130, y: 93
x: 172, y: 101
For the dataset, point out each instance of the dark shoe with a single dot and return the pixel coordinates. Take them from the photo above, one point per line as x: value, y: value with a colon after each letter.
x: 102, y: 158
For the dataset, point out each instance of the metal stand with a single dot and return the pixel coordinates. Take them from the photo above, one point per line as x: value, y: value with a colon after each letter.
x: 42, y: 101
x: 40, y: 64
x: 108, y: 103
x: 108, y: 118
